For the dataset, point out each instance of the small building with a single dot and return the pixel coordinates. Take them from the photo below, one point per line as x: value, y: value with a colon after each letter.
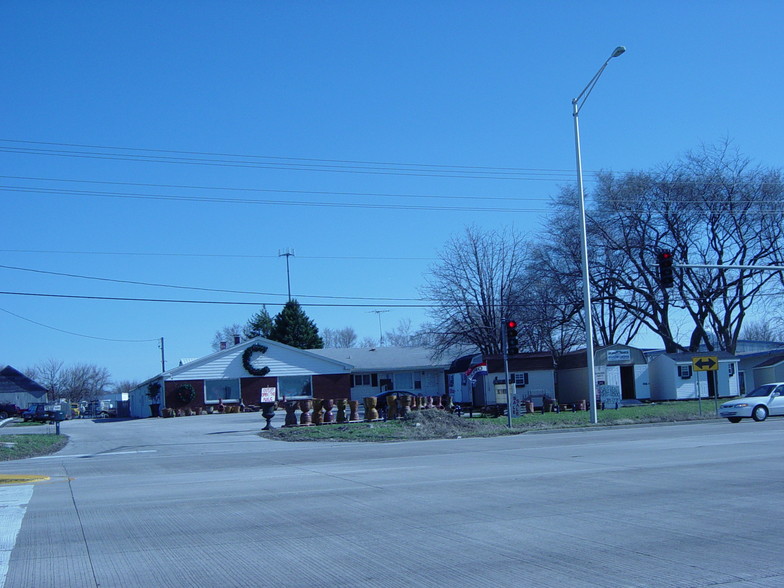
x: 768, y: 371
x: 18, y: 389
x: 378, y: 369
x: 749, y: 377
x: 240, y: 374
x: 477, y: 381
x: 673, y: 376
x: 620, y: 371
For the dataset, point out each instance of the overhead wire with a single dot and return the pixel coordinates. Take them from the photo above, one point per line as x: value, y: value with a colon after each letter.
x: 195, y: 288
x: 75, y: 333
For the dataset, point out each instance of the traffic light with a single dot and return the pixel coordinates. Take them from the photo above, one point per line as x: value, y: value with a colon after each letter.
x: 511, y: 338
x: 666, y: 277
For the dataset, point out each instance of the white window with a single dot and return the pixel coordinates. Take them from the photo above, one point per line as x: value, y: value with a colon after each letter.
x: 293, y: 386
x: 225, y: 390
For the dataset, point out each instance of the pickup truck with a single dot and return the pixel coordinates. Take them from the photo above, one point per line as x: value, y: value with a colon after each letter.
x: 43, y: 412
x: 9, y: 410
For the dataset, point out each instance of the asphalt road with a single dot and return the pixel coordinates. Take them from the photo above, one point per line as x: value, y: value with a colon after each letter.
x: 203, y: 501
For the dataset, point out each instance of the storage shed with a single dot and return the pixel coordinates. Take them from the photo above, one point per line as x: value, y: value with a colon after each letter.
x: 621, y: 373
x: 673, y: 376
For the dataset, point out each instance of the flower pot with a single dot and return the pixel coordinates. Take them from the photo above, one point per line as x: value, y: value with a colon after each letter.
x: 155, y: 410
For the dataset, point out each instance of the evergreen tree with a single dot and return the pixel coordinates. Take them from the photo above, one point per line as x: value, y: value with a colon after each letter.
x: 259, y: 325
x: 293, y: 327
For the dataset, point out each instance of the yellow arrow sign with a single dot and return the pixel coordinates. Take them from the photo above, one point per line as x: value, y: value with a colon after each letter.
x: 705, y: 364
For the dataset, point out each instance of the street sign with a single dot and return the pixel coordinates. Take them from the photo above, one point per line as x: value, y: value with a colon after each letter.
x: 705, y: 364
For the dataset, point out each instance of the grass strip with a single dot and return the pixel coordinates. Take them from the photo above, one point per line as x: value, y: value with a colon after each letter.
x: 32, y: 445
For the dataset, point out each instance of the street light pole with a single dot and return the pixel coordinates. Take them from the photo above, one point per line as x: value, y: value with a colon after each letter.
x: 577, y: 104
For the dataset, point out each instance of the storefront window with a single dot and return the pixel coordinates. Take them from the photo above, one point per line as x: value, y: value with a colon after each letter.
x: 226, y: 390
x: 292, y: 386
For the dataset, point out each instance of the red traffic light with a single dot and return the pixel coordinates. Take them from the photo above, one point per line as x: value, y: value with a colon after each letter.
x: 511, y: 324
x: 666, y: 255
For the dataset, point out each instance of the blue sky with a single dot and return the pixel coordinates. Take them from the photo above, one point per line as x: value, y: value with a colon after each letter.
x: 177, y: 143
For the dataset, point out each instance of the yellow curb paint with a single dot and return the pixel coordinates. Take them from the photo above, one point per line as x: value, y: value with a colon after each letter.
x: 6, y: 479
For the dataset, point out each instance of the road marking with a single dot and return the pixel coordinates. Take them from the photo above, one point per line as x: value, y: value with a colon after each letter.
x: 7, y: 479
x: 13, y: 505
x: 95, y: 454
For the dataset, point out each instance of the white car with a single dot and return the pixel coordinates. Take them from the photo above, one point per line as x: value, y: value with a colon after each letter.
x: 767, y: 400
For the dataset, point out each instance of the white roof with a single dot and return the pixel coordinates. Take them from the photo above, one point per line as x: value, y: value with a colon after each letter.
x: 385, y: 358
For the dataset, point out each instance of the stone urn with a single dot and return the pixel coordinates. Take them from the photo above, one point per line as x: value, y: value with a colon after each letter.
x: 328, y: 416
x: 291, y: 413
x: 392, y: 406
x: 429, y: 402
x: 305, y: 406
x: 405, y: 404
x: 340, y: 403
x: 318, y: 416
x: 353, y: 406
x: 371, y: 414
x: 268, y: 412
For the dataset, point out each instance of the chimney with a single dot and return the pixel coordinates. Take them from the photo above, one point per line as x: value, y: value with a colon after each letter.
x: 236, y: 339
x: 222, y: 345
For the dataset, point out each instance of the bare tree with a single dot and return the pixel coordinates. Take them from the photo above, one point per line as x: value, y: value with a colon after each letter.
x: 227, y: 335
x: 85, y: 382
x: 124, y: 386
x: 368, y: 343
x: 763, y: 330
x: 711, y: 207
x: 471, y: 288
x: 341, y: 338
x: 49, y: 374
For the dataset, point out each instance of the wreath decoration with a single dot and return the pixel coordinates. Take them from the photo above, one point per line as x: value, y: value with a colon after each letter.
x: 246, y: 356
x: 185, y: 393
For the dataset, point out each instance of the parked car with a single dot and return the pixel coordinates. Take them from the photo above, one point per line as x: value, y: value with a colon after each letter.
x: 43, y: 412
x: 767, y: 400
x: 9, y: 410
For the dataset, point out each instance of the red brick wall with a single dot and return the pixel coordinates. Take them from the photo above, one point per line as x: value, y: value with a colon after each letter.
x: 332, y: 386
x: 250, y: 388
x: 172, y: 401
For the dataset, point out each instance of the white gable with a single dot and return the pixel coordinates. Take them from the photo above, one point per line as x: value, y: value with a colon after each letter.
x: 282, y: 360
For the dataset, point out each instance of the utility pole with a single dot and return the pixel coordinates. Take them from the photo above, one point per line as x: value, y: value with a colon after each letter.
x: 163, y: 357
x: 287, y: 253
x: 380, y: 331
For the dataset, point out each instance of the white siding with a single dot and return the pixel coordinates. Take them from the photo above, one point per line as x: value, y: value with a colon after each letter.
x: 282, y: 361
x: 642, y: 389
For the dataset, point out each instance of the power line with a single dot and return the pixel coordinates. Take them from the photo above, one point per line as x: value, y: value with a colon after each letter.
x: 196, y: 288
x: 209, y: 302
x: 218, y: 255
x: 77, y: 334
x: 299, y: 159
x: 275, y: 190
x: 431, y: 303
x: 460, y: 174
x: 216, y: 200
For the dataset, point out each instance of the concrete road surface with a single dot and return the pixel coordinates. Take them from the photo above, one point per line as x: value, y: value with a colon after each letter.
x: 203, y: 501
